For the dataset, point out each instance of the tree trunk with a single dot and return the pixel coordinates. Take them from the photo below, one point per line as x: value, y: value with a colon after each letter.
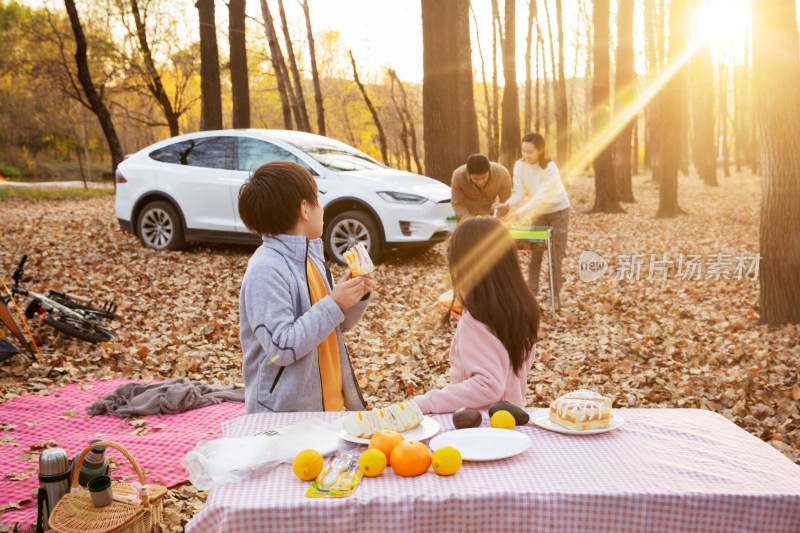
x: 776, y: 71
x: 625, y: 93
x: 96, y: 103
x: 489, y: 110
x: 211, y: 92
x: 318, y: 100
x: 511, y: 143
x: 672, y: 100
x: 240, y: 87
x: 537, y: 105
x: 302, y: 112
x: 372, y: 110
x: 723, y: 116
x: 737, y: 109
x: 562, y: 113
x: 154, y: 83
x: 528, y: 115
x: 606, y: 195
x: 546, y: 91
x: 279, y: 66
x: 448, y: 107
x: 554, y: 70
x: 705, y: 160
x: 497, y: 34
x: 651, y: 61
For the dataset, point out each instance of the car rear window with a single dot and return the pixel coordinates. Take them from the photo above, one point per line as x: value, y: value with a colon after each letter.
x: 208, y: 152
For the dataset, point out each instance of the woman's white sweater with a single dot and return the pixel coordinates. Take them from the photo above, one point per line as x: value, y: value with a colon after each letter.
x: 542, y: 187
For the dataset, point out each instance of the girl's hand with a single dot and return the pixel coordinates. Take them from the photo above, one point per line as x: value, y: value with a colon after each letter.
x: 455, y: 314
x: 347, y: 275
x: 500, y: 205
x: 369, y: 282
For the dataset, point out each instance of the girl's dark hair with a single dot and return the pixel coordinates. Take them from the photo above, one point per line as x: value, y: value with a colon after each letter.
x: 487, y: 278
x: 269, y: 202
x: 537, y: 140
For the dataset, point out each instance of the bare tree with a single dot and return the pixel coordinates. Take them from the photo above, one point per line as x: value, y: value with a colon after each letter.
x: 672, y: 98
x: 704, y: 156
x: 279, y: 66
x: 94, y: 100
x: 605, y: 186
x: 528, y: 84
x: 723, y: 115
x: 318, y: 100
x: 211, y: 101
x: 409, y: 118
x: 240, y: 86
x: 776, y: 67
x: 448, y: 106
x: 497, y: 35
x: 562, y: 113
x: 372, y: 110
x: 489, y: 107
x: 625, y: 92
x: 510, y: 143
x: 302, y: 112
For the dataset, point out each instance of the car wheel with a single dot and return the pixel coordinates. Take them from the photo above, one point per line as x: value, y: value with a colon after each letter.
x: 347, y: 229
x: 159, y: 227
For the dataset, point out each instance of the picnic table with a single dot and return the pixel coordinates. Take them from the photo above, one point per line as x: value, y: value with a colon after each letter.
x: 663, y: 470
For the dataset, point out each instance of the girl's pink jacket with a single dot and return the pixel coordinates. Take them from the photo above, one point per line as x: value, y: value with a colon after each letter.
x: 480, y: 372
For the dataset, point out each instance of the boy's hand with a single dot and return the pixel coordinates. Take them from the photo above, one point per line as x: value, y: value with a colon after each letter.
x: 349, y: 291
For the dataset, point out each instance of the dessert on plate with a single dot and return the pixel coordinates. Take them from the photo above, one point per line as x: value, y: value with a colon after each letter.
x: 359, y: 260
x: 581, y: 410
x: 399, y: 417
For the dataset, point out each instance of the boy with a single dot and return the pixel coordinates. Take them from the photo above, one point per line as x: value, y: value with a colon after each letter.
x: 291, y: 317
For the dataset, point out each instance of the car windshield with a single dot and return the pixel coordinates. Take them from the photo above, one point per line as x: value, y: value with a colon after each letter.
x: 338, y: 158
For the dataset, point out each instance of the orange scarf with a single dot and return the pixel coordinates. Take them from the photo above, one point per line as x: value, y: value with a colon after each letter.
x: 329, y: 365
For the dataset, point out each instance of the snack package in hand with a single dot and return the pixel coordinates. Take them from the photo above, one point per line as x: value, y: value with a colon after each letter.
x: 447, y: 298
x: 359, y: 260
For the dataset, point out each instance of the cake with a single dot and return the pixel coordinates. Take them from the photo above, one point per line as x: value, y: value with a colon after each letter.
x: 359, y: 260
x: 580, y: 410
x: 447, y: 298
x: 398, y: 417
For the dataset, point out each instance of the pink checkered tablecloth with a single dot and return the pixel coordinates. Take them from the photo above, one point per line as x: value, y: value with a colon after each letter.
x: 663, y: 470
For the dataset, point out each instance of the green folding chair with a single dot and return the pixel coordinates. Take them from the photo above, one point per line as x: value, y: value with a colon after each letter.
x: 539, y: 234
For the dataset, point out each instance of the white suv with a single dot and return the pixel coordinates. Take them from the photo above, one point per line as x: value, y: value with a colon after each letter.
x: 187, y: 188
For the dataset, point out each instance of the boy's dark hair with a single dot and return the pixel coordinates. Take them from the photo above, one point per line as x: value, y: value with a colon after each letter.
x: 487, y: 278
x: 269, y: 202
x: 478, y: 164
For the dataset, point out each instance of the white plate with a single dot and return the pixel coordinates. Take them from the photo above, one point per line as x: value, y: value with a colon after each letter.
x: 483, y: 444
x: 542, y: 419
x: 425, y: 430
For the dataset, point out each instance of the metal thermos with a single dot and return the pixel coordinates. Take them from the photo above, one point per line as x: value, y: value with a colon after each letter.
x: 94, y: 464
x: 54, y: 478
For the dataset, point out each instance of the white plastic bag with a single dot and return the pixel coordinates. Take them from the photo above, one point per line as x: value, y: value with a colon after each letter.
x: 213, y: 462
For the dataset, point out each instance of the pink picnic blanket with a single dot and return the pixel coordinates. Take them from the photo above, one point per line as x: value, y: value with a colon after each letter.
x: 158, y: 443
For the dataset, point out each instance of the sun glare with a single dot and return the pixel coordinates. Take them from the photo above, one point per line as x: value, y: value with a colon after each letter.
x: 724, y: 23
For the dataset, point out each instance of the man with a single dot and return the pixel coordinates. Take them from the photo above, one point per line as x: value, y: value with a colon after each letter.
x: 478, y: 184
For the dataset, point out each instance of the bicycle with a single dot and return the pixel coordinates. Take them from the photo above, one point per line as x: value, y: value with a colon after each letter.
x: 70, y: 314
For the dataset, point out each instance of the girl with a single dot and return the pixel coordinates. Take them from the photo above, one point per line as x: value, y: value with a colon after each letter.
x: 538, y: 176
x: 494, y: 344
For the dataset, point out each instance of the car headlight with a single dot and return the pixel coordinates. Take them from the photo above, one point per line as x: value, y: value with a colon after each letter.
x: 401, y: 197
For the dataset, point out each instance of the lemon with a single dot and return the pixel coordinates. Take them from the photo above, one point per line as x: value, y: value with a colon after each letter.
x: 502, y: 419
x: 307, y: 464
x: 372, y: 462
x: 446, y: 461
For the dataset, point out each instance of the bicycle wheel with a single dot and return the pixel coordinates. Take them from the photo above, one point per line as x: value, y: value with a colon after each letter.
x: 84, y: 330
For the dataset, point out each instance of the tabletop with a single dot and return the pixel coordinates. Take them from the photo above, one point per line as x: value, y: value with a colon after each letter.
x: 686, y: 470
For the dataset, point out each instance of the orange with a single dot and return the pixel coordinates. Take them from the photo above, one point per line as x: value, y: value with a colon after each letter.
x: 410, y: 458
x: 385, y: 441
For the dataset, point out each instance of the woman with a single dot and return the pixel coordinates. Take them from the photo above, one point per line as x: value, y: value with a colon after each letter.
x: 538, y: 176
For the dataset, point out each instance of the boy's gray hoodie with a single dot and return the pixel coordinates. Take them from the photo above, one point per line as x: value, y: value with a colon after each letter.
x: 280, y: 330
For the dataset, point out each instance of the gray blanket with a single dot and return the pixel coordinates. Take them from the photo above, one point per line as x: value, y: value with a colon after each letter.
x: 168, y: 397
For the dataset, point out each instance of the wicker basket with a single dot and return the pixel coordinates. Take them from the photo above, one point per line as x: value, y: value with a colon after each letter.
x: 75, y: 512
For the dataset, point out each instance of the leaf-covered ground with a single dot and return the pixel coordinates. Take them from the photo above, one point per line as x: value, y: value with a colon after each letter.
x: 647, y: 342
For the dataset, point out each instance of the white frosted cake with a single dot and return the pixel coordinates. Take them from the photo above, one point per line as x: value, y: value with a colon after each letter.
x: 399, y: 417
x: 359, y: 260
x: 580, y: 410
